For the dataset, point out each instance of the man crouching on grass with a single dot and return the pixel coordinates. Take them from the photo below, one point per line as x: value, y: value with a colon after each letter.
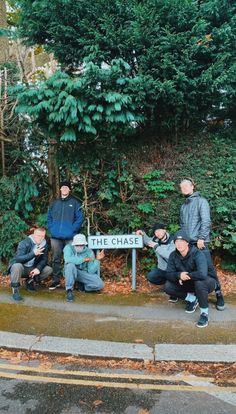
x: 188, y: 271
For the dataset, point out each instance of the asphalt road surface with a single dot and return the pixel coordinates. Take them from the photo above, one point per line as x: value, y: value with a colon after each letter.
x: 31, y: 387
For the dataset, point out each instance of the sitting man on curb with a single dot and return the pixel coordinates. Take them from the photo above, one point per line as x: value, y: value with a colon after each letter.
x: 188, y: 271
x: 30, y: 262
x: 81, y: 266
x: 163, y: 245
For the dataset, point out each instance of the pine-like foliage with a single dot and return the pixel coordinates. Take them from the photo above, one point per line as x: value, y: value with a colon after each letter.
x: 95, y: 99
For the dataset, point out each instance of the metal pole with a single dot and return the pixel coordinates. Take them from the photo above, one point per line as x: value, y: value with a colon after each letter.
x: 97, y: 251
x: 133, y: 269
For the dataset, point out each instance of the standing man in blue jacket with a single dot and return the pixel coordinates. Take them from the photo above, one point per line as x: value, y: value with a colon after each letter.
x: 195, y: 221
x: 65, y: 218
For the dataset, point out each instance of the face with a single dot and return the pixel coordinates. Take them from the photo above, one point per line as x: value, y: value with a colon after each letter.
x: 186, y: 187
x: 39, y: 236
x: 79, y: 248
x: 65, y: 191
x: 181, y: 245
x: 160, y: 233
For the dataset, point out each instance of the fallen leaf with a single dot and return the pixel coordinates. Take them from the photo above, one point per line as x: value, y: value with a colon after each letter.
x: 96, y: 403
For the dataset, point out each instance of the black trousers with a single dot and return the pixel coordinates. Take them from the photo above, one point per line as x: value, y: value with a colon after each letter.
x: 207, y: 254
x: 201, y: 288
x: 157, y: 276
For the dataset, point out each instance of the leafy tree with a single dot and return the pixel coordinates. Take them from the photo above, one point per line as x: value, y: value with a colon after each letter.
x: 97, y: 100
x: 185, y: 49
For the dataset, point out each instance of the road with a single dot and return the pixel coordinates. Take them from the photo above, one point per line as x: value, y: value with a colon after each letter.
x: 41, y: 388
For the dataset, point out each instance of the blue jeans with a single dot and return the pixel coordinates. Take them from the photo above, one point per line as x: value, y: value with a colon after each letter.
x: 57, y: 246
x: 91, y: 281
x: 157, y: 276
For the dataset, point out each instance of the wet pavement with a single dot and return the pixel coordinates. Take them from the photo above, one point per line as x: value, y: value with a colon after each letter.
x: 134, y: 318
x: 132, y: 326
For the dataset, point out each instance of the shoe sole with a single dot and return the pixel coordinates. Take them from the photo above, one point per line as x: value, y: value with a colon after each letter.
x: 202, y: 326
x: 192, y: 311
x: 220, y: 308
x: 172, y: 301
x: 54, y: 288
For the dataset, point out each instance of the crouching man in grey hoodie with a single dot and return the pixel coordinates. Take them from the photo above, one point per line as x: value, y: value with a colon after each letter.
x: 163, y: 245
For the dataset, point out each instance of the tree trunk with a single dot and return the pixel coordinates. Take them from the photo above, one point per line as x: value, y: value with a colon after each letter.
x: 3, y: 106
x: 53, y: 172
x: 4, y: 44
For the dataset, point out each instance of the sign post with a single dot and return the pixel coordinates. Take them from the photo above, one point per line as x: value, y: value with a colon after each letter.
x: 125, y: 241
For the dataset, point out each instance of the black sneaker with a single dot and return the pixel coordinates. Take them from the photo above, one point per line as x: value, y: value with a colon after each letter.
x: 173, y: 299
x: 30, y: 286
x: 69, y: 295
x: 80, y: 287
x: 203, y: 321
x: 54, y: 285
x: 191, y: 306
x: 220, y: 303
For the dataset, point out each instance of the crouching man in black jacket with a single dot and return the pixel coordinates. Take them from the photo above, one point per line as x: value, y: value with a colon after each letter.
x: 30, y: 262
x: 188, y: 271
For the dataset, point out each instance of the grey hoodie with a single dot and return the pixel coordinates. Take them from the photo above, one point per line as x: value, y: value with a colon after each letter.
x: 162, y: 251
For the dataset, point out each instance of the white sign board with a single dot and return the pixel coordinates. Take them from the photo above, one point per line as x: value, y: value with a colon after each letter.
x: 125, y: 241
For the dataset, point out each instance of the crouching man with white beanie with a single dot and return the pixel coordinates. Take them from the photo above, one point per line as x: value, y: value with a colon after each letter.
x: 82, y: 267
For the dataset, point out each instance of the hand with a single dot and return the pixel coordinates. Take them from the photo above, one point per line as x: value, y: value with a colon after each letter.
x: 39, y: 251
x: 201, y: 244
x: 100, y: 255
x: 34, y: 272
x: 151, y: 244
x: 139, y: 233
x: 88, y: 259
x: 184, y: 276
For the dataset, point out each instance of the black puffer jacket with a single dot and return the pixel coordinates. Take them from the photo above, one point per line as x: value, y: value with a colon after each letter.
x: 195, y: 218
x: 195, y: 263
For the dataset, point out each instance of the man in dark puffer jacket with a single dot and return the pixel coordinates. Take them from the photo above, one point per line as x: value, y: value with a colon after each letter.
x: 195, y: 220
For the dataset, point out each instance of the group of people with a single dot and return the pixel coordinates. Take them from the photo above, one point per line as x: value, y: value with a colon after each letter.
x: 184, y: 263
x: 81, y: 268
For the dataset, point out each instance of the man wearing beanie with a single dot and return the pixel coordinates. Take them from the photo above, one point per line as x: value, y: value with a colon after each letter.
x: 65, y: 218
x: 188, y: 271
x: 163, y: 245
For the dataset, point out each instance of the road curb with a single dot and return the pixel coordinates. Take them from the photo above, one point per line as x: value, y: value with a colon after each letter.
x: 118, y: 350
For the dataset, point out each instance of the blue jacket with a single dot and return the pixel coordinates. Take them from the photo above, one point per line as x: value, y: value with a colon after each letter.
x: 25, y: 253
x: 65, y: 218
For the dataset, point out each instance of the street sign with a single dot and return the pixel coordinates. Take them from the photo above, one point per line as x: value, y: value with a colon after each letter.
x: 125, y: 241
